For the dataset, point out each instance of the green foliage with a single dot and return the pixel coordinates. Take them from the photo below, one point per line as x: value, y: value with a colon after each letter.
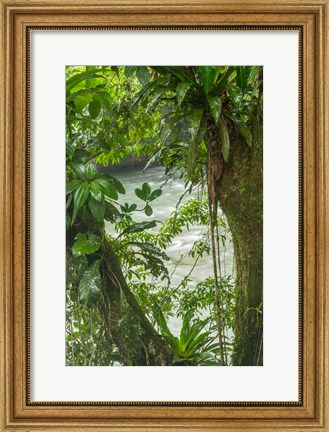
x: 226, y: 95
x: 86, y: 244
x: 161, y: 114
x: 215, y: 105
x: 209, y: 75
x: 90, y: 284
x: 195, y: 346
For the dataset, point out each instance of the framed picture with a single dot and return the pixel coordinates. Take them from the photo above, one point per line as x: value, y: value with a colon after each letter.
x: 164, y: 205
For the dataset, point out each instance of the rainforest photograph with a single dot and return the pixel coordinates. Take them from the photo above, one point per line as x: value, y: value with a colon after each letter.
x: 164, y: 215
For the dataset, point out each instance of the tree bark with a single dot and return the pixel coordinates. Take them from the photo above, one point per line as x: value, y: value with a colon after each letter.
x: 240, y: 196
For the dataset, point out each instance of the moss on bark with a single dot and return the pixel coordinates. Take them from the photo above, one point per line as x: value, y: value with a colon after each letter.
x: 240, y: 195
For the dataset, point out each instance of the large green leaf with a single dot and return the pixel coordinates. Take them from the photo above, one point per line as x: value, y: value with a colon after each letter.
x: 155, y: 194
x: 181, y: 90
x: 97, y: 208
x: 243, y: 130
x: 224, y: 139
x: 146, y: 188
x: 209, y: 76
x: 225, y: 76
x: 194, y: 121
x: 81, y: 195
x: 107, y: 188
x: 235, y: 95
x: 143, y: 193
x: 170, y: 124
x: 94, y: 108
x: 143, y: 75
x: 215, y: 105
x: 80, y: 265
x: 179, y: 72
x: 90, y: 285
x: 90, y: 171
x: 148, y: 210
x: 76, y: 79
x: 117, y: 184
x: 81, y: 101
x: 142, y: 94
x: 96, y: 190
x: 130, y: 70
x: 86, y: 244
x: 242, y: 74
x: 166, y: 333
x: 84, y: 92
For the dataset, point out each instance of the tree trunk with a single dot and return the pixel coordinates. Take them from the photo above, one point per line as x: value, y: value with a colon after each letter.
x: 240, y: 196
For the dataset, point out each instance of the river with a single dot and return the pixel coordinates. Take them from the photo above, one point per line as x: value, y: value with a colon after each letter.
x: 181, y: 245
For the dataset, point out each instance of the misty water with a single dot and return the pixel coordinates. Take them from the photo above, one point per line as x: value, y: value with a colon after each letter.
x: 180, y: 263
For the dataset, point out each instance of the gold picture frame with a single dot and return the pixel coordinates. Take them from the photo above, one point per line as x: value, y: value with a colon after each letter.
x: 311, y: 412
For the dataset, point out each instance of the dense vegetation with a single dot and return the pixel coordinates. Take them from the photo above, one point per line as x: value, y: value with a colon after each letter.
x: 203, y: 124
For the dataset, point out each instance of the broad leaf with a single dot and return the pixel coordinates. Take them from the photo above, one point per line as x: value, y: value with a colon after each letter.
x: 235, y: 95
x: 140, y: 194
x: 80, y: 264
x: 194, y: 121
x: 76, y: 79
x: 143, y: 193
x: 242, y: 73
x: 143, y: 75
x: 209, y: 76
x: 166, y: 333
x: 97, y: 208
x: 80, y: 169
x: 86, y: 244
x: 130, y: 70
x: 181, y: 91
x: 117, y: 184
x: 84, y: 92
x: 94, y: 108
x: 146, y: 188
x: 155, y: 194
x: 243, y: 130
x: 171, y: 124
x: 132, y: 208
x: 90, y: 171
x: 148, y: 210
x: 107, y: 188
x: 81, y: 195
x: 90, y: 285
x: 96, y: 190
x: 215, y: 105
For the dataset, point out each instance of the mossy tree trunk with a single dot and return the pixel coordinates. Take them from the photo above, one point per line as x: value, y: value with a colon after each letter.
x: 240, y: 196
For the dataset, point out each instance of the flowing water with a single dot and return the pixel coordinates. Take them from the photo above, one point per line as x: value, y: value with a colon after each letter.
x: 180, y: 263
